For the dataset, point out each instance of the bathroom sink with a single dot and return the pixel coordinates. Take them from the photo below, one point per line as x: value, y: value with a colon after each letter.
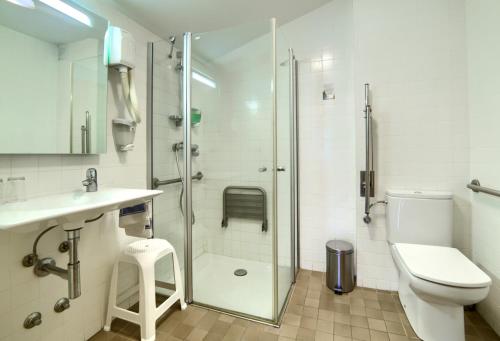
x: 70, y: 207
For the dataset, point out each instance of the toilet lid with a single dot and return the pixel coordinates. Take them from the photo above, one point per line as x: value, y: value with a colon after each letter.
x: 443, y: 265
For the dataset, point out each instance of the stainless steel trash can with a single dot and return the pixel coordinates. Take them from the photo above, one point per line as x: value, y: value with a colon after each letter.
x: 340, y: 266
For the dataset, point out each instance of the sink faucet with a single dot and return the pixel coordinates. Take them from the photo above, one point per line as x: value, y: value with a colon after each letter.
x: 91, y: 181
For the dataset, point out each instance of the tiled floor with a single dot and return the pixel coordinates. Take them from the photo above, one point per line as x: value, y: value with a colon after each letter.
x: 314, y: 314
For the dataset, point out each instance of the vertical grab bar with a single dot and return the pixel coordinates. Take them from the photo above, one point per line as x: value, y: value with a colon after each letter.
x: 368, y: 174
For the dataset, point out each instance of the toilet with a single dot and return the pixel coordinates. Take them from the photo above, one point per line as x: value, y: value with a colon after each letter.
x: 435, y: 280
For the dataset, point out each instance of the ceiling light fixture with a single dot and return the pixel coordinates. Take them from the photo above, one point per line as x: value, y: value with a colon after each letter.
x: 72, y: 12
x: 204, y: 79
x: 23, y: 3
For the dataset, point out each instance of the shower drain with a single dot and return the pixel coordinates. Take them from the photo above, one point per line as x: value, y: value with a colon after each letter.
x: 240, y: 272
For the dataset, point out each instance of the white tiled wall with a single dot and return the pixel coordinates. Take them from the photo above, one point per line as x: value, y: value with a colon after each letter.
x: 326, y: 128
x: 236, y: 142
x: 21, y: 292
x: 413, y: 55
x: 484, y: 73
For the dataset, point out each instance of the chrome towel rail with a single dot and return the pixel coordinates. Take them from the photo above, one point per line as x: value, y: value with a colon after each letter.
x: 157, y: 182
x: 475, y: 185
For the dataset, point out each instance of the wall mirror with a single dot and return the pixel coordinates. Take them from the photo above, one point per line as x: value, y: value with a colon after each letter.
x: 53, y: 88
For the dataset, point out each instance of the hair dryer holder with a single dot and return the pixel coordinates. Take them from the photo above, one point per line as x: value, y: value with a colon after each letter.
x: 124, y: 133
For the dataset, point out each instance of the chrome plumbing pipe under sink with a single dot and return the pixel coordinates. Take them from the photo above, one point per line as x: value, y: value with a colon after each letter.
x: 47, y: 266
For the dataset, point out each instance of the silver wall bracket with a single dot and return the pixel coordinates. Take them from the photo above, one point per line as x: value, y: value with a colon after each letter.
x: 362, y: 184
x: 61, y: 305
x: 33, y: 320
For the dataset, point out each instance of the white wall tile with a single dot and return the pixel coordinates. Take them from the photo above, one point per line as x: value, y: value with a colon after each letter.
x: 100, y: 242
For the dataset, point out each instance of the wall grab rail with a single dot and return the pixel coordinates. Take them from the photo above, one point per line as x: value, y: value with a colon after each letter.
x: 475, y: 186
x: 157, y: 182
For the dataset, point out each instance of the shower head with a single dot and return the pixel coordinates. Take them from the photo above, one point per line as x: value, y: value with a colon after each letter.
x: 172, y: 43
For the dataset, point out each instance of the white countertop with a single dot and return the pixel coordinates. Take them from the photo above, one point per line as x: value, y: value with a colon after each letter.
x: 72, y: 206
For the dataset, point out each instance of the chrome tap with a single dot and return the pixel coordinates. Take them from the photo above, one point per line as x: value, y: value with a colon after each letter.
x: 91, y: 181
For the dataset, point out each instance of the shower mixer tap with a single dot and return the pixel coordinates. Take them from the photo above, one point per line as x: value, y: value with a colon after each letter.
x: 180, y: 146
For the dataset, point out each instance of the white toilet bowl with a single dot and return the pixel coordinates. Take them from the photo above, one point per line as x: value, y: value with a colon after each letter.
x: 435, y: 282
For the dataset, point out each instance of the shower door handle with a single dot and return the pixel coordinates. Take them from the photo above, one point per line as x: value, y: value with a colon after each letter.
x: 262, y: 169
x: 280, y: 169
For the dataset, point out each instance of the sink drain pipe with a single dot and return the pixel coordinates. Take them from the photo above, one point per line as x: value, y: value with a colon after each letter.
x: 47, y: 266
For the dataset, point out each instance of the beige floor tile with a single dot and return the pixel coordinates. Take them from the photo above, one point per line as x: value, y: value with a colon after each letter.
x: 213, y: 337
x: 341, y: 338
x: 395, y: 327
x: 326, y: 315
x: 342, y: 329
x: 388, y: 306
x: 220, y: 328
x: 391, y: 316
x: 341, y: 308
x: 292, y: 319
x: 268, y: 337
x: 377, y: 325
x: 226, y: 318
x: 396, y: 337
x: 322, y: 336
x: 169, y: 325
x: 315, y: 294
x: 314, y: 313
x: 361, y: 334
x: 374, y: 313
x: 357, y: 310
x: 372, y: 304
x: 305, y: 334
x: 325, y: 326
x: 197, y: 335
x: 288, y: 331
x: 310, y: 312
x: 234, y: 333
x: 252, y: 334
x: 308, y: 323
x: 182, y: 331
x: 294, y: 309
x: 359, y: 321
x: 310, y: 302
x: 379, y: 336
x: 208, y: 321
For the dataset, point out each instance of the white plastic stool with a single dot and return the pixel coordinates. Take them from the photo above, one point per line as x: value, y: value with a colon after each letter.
x: 144, y: 254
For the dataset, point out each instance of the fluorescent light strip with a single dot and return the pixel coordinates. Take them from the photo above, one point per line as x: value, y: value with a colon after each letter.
x: 204, y: 79
x: 69, y: 11
x: 23, y: 3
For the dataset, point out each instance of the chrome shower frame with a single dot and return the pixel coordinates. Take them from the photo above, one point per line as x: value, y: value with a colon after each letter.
x: 185, y: 83
x: 187, y: 184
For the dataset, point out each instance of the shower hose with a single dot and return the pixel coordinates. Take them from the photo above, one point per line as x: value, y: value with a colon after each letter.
x: 193, y: 218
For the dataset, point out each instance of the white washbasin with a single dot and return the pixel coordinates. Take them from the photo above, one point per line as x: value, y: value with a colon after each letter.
x: 70, y: 207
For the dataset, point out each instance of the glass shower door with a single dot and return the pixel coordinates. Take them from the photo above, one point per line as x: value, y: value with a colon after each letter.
x: 165, y: 102
x: 233, y: 232
x: 284, y: 178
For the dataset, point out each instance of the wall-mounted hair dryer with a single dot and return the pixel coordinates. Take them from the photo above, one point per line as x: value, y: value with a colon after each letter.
x: 119, y: 53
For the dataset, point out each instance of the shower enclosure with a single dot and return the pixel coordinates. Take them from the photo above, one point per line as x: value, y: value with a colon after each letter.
x: 230, y: 95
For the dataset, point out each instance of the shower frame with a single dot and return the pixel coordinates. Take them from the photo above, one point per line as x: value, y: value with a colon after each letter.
x: 278, y: 312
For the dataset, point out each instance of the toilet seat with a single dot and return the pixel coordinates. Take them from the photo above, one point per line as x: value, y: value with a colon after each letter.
x: 441, y: 265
